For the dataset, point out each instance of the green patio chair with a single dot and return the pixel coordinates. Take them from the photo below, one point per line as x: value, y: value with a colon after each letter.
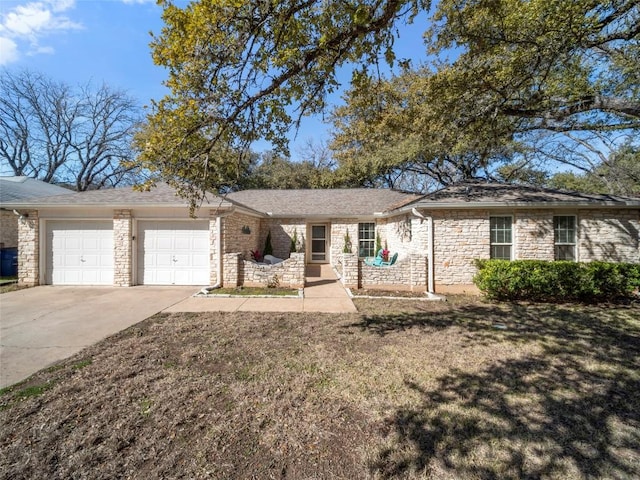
x: 391, y: 261
x: 374, y: 262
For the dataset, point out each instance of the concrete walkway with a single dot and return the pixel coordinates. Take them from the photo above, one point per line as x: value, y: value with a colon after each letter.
x: 322, y: 293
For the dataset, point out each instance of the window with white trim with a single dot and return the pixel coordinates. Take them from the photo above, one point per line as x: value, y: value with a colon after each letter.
x: 501, y: 237
x: 366, y: 239
x: 564, y: 237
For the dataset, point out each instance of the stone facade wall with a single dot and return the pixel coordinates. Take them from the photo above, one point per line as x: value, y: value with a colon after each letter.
x: 533, y: 235
x: 282, y: 231
x: 213, y: 247
x: 409, y: 273
x: 231, y: 269
x: 8, y: 229
x: 122, y: 246
x: 235, y: 240
x: 289, y: 273
x: 419, y: 266
x: 350, y: 270
x: 404, y: 234
x: 339, y: 228
x: 609, y: 235
x: 29, y: 249
x: 460, y: 236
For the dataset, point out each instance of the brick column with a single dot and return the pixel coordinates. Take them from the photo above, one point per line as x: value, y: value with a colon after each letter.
x: 231, y: 269
x: 296, y: 270
x: 350, y: 270
x: 122, y: 244
x: 29, y: 249
x: 213, y: 248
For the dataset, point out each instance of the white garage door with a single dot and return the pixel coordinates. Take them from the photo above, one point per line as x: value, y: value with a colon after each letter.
x: 79, y: 252
x: 173, y: 253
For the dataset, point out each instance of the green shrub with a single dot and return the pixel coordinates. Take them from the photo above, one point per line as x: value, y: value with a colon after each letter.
x: 268, y: 248
x: 539, y: 280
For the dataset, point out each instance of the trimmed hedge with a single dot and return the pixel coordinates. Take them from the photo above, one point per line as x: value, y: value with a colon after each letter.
x: 545, y: 281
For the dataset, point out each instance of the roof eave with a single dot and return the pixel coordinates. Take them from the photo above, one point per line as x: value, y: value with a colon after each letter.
x: 531, y: 205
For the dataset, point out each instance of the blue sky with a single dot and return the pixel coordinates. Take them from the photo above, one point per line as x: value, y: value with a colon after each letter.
x: 77, y: 41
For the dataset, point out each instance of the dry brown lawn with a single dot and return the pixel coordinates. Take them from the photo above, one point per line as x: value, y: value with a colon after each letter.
x: 403, y: 389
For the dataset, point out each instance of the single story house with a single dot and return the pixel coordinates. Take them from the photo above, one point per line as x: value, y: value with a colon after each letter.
x: 20, y: 188
x: 124, y: 237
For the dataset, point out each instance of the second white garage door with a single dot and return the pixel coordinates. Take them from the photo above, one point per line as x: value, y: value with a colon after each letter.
x: 173, y: 253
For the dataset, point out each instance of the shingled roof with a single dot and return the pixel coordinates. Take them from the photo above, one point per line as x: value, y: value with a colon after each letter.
x: 17, y: 188
x: 475, y: 194
x: 345, y: 202
x: 124, y: 197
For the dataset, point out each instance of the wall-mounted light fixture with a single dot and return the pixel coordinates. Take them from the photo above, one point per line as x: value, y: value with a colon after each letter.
x: 246, y: 230
x: 21, y: 216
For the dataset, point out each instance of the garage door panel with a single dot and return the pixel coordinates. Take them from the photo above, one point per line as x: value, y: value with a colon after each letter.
x: 173, y: 253
x: 79, y: 252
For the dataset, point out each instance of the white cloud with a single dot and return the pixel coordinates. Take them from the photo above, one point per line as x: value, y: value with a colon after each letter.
x: 27, y: 19
x: 30, y: 23
x: 8, y: 51
x: 62, y: 5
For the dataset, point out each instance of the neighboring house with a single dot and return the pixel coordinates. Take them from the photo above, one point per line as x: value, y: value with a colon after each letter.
x: 20, y: 188
x: 124, y: 237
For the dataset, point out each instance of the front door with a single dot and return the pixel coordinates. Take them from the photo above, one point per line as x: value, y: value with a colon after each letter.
x: 319, y: 250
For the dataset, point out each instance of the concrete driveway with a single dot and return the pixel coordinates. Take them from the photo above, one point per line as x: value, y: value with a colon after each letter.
x: 43, y: 325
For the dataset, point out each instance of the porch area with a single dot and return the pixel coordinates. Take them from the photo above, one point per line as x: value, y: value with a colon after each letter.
x: 323, y: 292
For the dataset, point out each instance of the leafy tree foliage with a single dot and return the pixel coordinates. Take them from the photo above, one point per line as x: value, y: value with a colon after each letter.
x: 507, y: 72
x: 271, y: 171
x: 619, y: 174
x: 55, y: 133
x: 402, y: 133
x: 242, y: 71
x: 531, y: 81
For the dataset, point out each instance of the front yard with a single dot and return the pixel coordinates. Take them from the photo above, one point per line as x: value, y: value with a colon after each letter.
x: 403, y: 389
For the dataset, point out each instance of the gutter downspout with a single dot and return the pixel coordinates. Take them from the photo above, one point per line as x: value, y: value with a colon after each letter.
x: 219, y: 250
x: 430, y: 271
x: 430, y: 264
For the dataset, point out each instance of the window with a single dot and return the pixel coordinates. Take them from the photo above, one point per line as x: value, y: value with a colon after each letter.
x: 366, y: 239
x: 564, y: 237
x: 501, y: 238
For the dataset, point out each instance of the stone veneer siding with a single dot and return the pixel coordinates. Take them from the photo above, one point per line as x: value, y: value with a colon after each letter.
x: 405, y: 234
x: 609, y: 235
x: 29, y: 249
x: 122, y: 246
x: 282, y: 231
x: 460, y: 236
x: 350, y: 276
x: 409, y: 273
x: 8, y: 229
x: 235, y: 240
x: 339, y: 228
x: 290, y: 273
x: 213, y: 247
x: 231, y: 269
x: 533, y: 234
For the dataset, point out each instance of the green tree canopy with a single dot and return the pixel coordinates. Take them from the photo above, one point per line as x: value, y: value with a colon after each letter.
x: 619, y: 174
x: 528, y: 81
x: 508, y: 77
x: 242, y: 71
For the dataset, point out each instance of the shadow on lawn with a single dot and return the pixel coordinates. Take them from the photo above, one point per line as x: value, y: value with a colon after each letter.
x: 571, y: 411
